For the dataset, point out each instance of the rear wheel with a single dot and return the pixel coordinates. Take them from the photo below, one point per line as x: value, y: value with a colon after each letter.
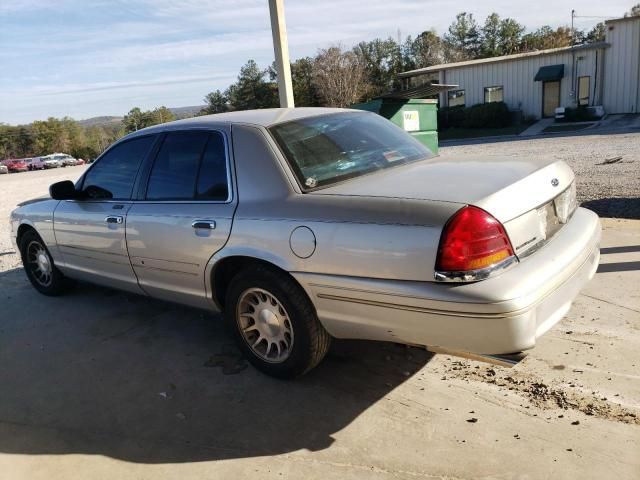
x: 39, y: 266
x: 275, y: 323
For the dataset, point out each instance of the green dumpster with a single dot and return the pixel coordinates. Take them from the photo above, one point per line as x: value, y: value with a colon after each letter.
x: 417, y: 116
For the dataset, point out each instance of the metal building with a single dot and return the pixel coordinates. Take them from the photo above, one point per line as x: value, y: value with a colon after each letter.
x: 536, y: 83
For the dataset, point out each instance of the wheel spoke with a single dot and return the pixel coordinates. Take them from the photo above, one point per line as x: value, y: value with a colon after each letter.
x: 264, y: 325
x: 250, y: 328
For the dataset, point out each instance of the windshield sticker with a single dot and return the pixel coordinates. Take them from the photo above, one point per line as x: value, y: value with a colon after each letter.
x: 311, y: 182
x: 393, y: 156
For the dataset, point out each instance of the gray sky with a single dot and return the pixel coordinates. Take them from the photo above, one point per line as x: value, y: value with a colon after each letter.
x: 86, y: 58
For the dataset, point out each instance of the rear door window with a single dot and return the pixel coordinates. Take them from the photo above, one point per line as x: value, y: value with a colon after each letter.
x: 174, y: 172
x: 190, y: 166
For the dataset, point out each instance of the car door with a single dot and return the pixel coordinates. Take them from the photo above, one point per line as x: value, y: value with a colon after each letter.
x: 90, y: 232
x: 183, y: 216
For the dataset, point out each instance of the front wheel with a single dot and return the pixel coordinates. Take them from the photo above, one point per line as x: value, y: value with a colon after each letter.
x: 39, y: 266
x: 275, y: 323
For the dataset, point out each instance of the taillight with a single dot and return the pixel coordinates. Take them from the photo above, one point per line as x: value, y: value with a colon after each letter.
x: 472, y: 243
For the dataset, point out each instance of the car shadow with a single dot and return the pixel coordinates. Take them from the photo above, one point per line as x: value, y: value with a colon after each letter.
x: 102, y: 372
x: 615, y: 207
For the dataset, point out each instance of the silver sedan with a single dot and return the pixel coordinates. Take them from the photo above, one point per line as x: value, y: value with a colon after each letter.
x: 305, y: 224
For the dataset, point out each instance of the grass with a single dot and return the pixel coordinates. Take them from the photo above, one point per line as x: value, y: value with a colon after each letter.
x: 459, y: 133
x: 566, y: 128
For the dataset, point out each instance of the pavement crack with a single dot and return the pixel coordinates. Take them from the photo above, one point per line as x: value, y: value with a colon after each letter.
x: 611, y: 303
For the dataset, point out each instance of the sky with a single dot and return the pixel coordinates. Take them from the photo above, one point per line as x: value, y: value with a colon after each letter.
x: 83, y: 58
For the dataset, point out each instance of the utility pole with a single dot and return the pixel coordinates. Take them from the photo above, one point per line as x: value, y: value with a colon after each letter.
x: 281, y: 50
x: 573, y: 32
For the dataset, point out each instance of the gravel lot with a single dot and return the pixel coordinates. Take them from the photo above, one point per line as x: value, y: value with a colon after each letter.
x: 611, y: 190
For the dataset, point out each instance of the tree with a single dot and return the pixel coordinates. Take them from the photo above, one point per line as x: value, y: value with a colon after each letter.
x: 382, y: 61
x: 425, y: 50
x: 133, y: 121
x: 545, y: 38
x: 339, y: 77
x: 162, y: 115
x: 463, y: 38
x: 136, y: 119
x: 490, y: 43
x: 252, y: 90
x: 510, y: 36
x: 596, y: 34
x: 217, y: 102
x: 304, y: 91
x: 634, y: 12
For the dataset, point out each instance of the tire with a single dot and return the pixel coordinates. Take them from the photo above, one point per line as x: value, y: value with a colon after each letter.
x: 49, y: 281
x: 300, y: 341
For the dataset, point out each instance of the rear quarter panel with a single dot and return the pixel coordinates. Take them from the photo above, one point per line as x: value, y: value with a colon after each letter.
x: 358, y: 236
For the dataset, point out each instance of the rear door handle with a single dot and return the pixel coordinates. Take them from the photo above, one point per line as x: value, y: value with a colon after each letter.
x: 206, y: 224
x: 114, y: 219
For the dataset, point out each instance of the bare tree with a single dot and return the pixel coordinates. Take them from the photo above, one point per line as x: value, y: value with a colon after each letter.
x: 339, y: 77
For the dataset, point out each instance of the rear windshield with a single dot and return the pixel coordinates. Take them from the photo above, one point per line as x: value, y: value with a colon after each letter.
x: 330, y: 148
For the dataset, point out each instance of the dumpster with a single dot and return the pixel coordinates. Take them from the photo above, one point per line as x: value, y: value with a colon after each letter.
x: 418, y: 116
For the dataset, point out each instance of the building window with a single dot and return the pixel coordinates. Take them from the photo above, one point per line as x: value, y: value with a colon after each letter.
x: 583, y: 90
x: 493, y: 94
x: 456, y: 98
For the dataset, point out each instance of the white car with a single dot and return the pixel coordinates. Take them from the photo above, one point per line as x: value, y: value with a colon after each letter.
x: 3, y: 169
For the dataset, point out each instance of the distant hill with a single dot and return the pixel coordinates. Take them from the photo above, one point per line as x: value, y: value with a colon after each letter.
x: 104, y: 120
x: 185, y: 112
x: 179, y: 112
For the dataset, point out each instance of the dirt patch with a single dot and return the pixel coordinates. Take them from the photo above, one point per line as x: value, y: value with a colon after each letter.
x: 542, y: 395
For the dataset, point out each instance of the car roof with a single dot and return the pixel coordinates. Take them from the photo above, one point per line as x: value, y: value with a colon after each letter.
x: 264, y: 117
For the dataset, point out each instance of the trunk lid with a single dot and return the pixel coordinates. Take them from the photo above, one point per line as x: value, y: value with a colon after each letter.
x: 505, y: 187
x: 516, y: 191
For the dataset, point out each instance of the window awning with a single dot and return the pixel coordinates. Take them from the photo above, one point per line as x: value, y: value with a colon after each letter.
x: 550, y: 73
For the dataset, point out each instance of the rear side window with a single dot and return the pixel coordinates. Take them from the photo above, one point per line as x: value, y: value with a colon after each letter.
x: 212, y: 180
x: 173, y: 176
x: 113, y: 176
x: 190, y: 166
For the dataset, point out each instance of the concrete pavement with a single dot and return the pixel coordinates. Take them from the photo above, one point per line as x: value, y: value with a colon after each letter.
x: 100, y: 384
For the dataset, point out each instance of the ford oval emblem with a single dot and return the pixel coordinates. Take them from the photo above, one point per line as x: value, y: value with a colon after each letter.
x: 555, y: 182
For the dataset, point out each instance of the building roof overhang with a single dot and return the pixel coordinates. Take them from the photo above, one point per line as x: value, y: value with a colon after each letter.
x: 504, y: 58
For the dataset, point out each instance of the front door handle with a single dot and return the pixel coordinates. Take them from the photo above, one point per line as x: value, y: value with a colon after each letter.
x: 206, y: 224
x: 114, y: 219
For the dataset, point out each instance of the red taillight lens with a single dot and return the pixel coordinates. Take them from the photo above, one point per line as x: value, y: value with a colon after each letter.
x: 472, y: 240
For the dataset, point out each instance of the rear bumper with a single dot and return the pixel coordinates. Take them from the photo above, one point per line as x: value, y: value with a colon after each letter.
x: 499, y: 315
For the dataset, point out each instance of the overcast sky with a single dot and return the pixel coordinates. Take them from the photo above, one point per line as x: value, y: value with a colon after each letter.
x: 84, y: 58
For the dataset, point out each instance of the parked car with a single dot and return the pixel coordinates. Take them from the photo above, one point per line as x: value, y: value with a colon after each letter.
x: 16, y: 165
x: 35, y: 163
x: 64, y: 159
x: 3, y: 169
x: 344, y: 226
x: 80, y: 161
x: 50, y: 161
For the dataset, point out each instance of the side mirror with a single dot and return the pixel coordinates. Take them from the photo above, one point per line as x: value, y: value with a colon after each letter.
x: 64, y: 190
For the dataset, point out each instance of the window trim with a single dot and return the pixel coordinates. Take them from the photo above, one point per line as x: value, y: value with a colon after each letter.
x: 146, y: 175
x: 588, y: 97
x: 484, y: 91
x: 152, y: 151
